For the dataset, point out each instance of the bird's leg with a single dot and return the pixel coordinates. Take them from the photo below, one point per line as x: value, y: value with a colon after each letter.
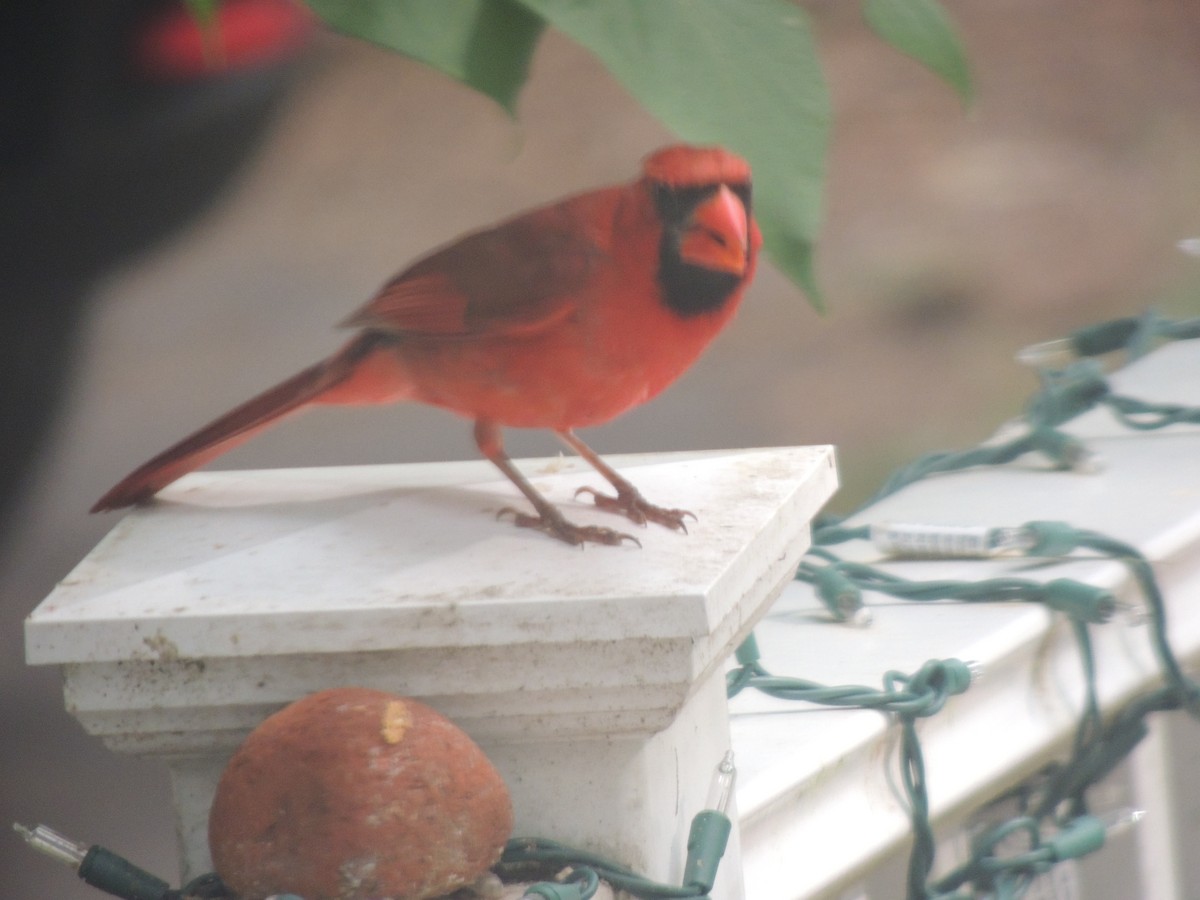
x: 548, y: 518
x: 629, y: 502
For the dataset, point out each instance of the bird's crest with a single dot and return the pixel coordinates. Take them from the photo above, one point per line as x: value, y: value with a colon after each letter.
x: 682, y: 165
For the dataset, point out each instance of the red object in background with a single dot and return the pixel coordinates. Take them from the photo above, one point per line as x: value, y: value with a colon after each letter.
x: 114, y: 134
x: 174, y: 45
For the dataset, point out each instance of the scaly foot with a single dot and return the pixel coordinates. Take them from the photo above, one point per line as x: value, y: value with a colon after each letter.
x: 637, y: 509
x: 557, y: 526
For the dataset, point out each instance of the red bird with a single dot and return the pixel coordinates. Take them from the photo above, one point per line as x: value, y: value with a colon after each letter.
x: 560, y: 318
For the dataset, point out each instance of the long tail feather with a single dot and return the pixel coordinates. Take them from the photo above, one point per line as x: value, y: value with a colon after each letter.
x: 235, y: 427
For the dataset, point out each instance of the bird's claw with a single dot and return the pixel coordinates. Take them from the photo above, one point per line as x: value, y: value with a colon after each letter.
x: 638, y: 510
x: 559, y: 527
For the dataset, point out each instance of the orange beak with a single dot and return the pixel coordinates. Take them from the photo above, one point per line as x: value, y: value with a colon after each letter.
x: 718, y: 234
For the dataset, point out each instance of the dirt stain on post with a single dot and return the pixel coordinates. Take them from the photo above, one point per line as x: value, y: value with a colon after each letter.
x: 396, y: 719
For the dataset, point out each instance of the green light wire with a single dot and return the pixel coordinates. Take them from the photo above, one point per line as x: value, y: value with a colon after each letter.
x: 542, y: 852
x: 1064, y: 394
x: 1058, y: 802
x: 907, y: 697
x: 1135, y: 334
x: 1062, y: 539
x: 1079, y: 600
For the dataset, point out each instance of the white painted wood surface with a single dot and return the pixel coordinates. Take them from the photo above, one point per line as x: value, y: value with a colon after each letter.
x: 817, y: 793
x: 592, y: 677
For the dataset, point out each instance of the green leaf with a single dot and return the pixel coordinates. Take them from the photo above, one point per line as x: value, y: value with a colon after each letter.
x: 486, y: 44
x: 741, y: 73
x: 921, y: 29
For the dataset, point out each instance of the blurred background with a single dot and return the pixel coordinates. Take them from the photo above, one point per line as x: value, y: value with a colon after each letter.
x: 172, y: 241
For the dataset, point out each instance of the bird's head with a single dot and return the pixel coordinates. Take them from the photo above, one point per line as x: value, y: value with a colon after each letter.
x: 701, y: 196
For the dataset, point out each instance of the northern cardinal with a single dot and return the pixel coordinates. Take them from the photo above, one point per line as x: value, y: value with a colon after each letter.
x: 560, y: 318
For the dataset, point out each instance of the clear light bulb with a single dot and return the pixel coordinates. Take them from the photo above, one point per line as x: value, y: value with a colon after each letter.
x: 720, y: 789
x: 50, y: 842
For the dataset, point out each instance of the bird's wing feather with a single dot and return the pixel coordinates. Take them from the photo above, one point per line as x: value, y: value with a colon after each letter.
x: 517, y: 278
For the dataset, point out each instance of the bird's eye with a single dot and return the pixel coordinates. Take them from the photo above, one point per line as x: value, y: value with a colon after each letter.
x: 666, y: 201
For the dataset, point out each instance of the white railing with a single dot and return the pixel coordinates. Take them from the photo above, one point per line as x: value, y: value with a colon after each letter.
x: 818, y: 797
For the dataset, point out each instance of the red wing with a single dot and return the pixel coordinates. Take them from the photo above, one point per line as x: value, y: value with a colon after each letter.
x: 520, y: 276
